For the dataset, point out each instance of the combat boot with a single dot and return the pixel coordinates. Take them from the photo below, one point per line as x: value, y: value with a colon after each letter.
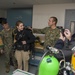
x: 7, y: 67
x: 7, y: 70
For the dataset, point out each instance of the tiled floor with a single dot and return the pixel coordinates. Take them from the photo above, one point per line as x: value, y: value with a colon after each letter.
x: 32, y: 69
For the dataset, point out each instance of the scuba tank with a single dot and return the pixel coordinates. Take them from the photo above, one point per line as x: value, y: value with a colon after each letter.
x: 73, y: 61
x: 49, y: 66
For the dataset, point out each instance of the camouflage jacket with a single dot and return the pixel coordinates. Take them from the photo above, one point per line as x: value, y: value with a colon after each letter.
x: 7, y: 38
x: 51, y: 35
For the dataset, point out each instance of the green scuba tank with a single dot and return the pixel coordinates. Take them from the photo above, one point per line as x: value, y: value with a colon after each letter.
x: 48, y: 66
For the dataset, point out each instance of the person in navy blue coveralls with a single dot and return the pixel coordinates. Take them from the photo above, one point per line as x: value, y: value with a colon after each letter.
x: 60, y: 45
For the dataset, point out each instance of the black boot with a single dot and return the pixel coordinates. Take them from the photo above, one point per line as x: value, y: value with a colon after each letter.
x: 7, y: 67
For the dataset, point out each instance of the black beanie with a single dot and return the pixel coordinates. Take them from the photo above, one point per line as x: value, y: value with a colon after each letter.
x: 3, y: 20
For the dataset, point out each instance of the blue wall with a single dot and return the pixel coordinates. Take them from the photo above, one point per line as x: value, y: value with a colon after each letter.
x: 25, y: 15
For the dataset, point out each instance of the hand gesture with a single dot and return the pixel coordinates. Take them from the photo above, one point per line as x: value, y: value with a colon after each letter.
x: 30, y: 28
x: 1, y: 51
x: 67, y: 34
x: 23, y: 42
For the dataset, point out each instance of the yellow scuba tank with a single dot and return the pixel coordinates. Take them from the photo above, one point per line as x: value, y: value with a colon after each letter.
x: 73, y: 61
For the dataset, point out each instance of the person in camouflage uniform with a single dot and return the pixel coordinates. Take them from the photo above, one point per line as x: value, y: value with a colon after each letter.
x: 7, y: 39
x: 52, y: 33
